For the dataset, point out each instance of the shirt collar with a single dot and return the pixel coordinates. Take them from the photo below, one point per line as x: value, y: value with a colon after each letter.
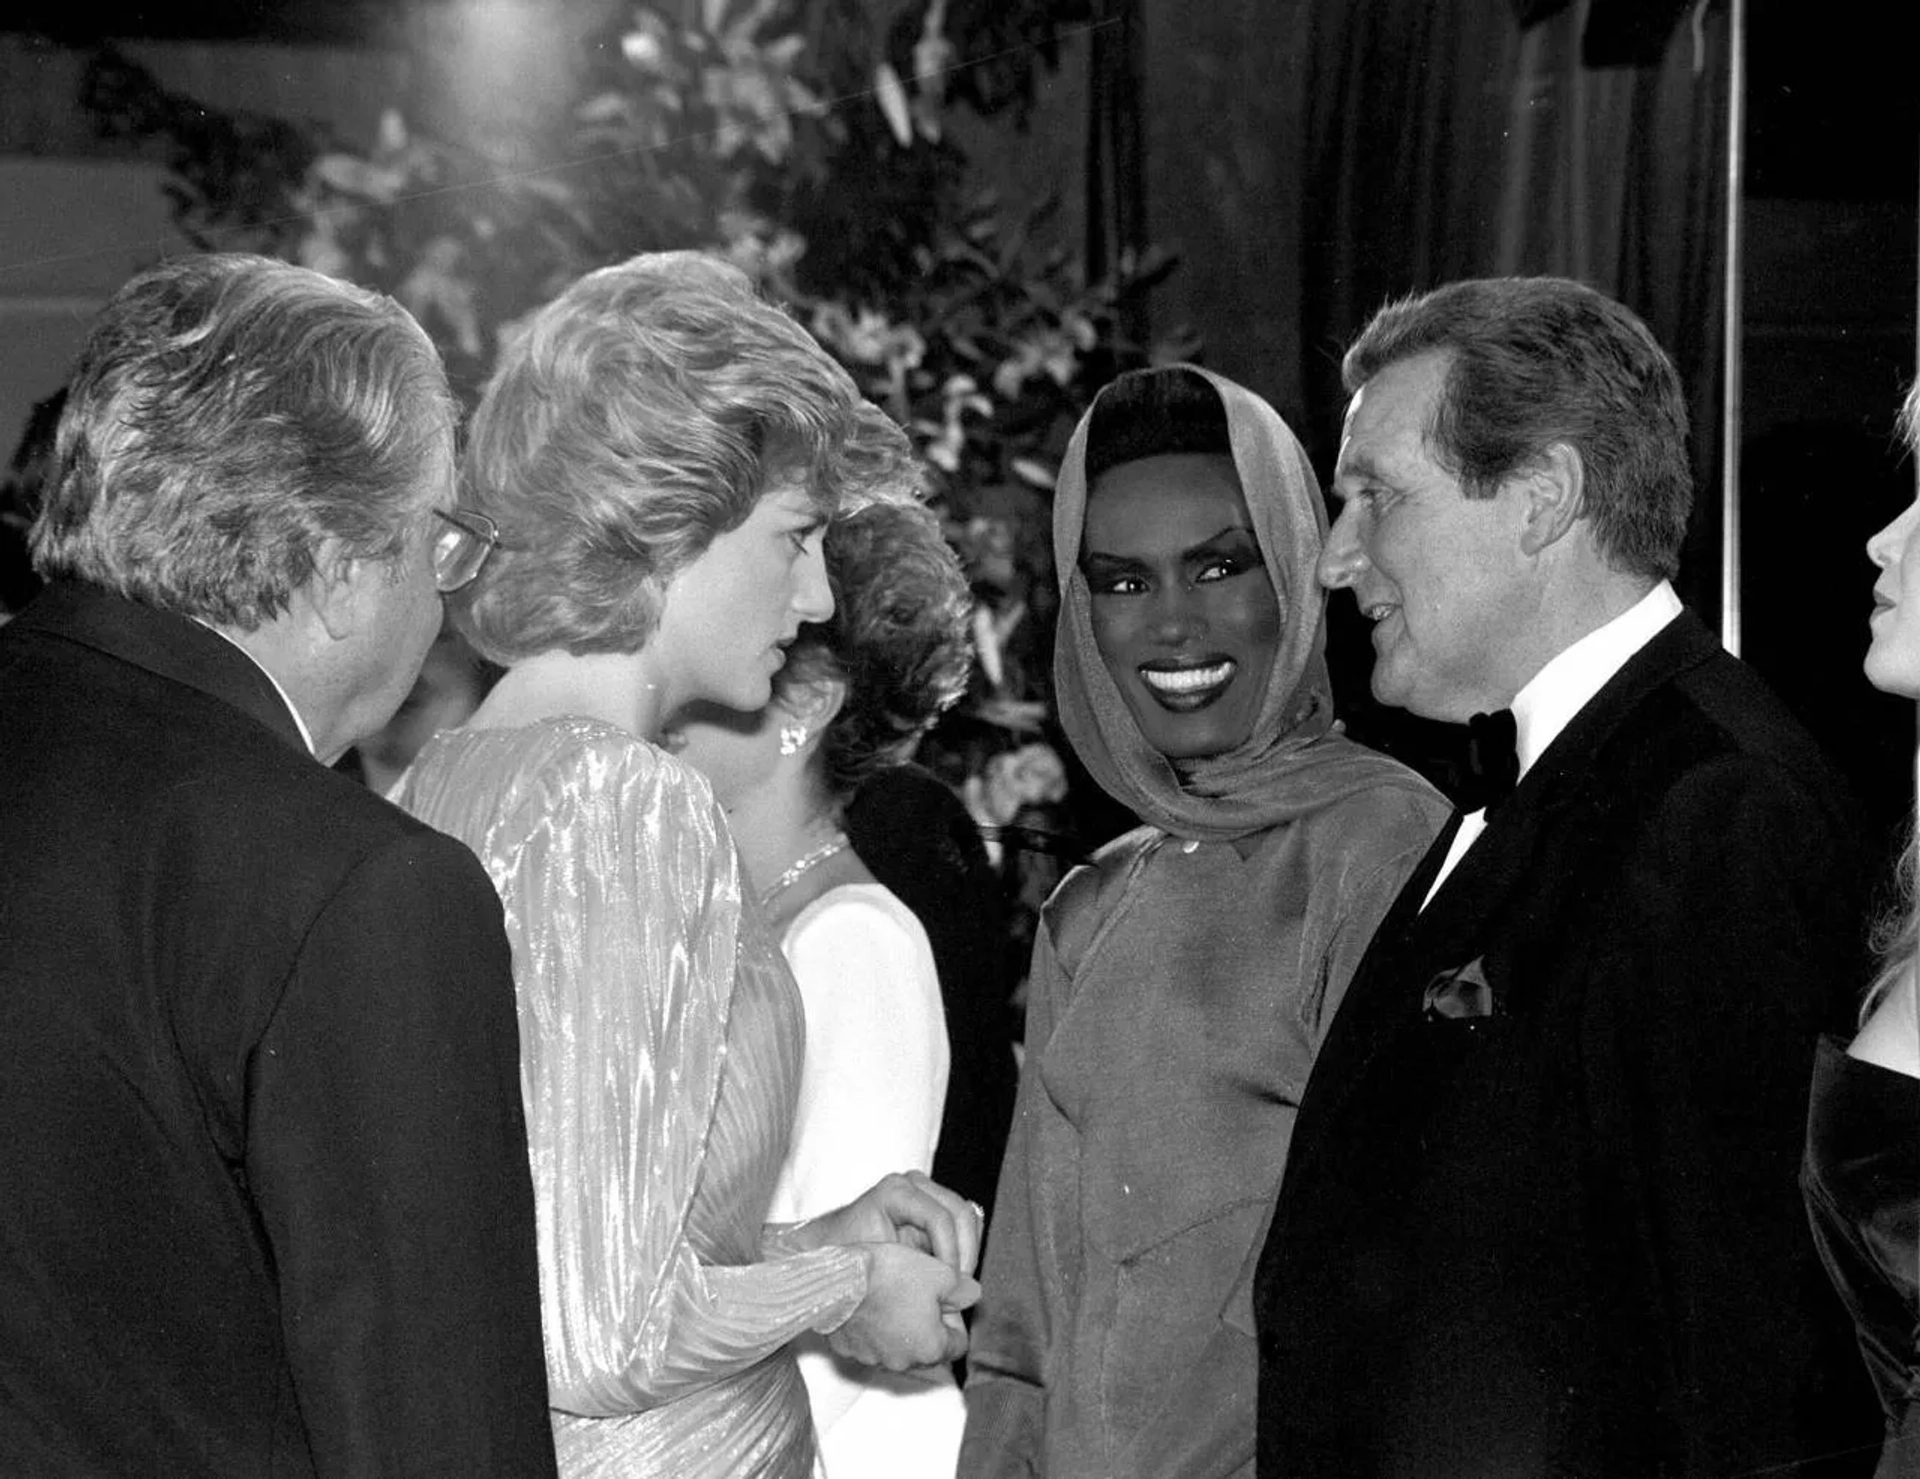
x: 292, y: 708
x: 1564, y: 686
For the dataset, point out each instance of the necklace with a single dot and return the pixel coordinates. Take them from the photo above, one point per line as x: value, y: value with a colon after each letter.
x: 800, y: 865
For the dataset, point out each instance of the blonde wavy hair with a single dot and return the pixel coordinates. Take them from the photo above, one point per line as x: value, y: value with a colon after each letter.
x: 1897, y: 939
x: 640, y: 414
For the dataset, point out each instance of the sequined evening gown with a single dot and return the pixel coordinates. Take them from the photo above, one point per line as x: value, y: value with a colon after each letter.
x: 661, y: 1046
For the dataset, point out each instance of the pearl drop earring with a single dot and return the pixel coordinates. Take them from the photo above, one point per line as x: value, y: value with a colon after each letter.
x: 792, y: 737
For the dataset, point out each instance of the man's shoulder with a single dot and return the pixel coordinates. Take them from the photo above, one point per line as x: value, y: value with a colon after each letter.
x: 1719, y: 713
x: 1683, y: 704
x: 325, y: 824
x: 1728, y: 695
x: 103, y: 747
x: 1707, y: 777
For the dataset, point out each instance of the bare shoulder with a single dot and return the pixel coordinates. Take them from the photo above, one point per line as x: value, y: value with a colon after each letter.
x: 1890, y: 1037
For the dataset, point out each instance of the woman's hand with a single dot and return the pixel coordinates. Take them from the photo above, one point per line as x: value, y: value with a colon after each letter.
x: 910, y: 1208
x: 911, y: 1315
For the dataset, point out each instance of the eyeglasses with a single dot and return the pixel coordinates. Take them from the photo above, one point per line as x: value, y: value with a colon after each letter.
x: 460, y: 549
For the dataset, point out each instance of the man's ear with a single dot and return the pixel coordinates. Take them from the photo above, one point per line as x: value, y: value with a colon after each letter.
x: 1554, y: 490
x: 337, y: 587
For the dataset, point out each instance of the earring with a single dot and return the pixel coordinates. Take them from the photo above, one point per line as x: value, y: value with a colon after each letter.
x: 792, y: 737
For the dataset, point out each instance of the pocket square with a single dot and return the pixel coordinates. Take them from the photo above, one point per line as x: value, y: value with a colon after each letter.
x: 1463, y: 992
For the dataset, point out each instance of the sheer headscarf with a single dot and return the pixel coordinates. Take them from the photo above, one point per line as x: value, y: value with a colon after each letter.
x: 1293, y: 762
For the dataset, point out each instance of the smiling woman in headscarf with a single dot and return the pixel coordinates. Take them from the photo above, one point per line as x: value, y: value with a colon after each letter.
x: 1181, y: 981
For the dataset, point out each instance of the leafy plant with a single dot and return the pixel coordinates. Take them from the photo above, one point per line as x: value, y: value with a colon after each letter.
x: 810, y: 149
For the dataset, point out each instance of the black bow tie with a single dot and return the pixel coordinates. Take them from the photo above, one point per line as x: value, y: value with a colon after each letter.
x: 1493, y: 765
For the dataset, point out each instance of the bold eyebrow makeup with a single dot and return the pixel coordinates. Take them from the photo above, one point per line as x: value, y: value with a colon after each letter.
x: 1227, y: 538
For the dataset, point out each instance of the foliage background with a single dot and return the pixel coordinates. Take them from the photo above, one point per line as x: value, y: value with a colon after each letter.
x: 812, y: 143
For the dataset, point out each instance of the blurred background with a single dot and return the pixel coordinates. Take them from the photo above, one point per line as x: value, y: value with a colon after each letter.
x: 986, y: 208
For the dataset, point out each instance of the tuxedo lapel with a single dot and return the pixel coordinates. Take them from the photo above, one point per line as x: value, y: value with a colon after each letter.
x: 1366, y: 1018
x: 1507, y: 870
x: 1403, y: 918
x: 1479, y: 890
x: 1503, y: 866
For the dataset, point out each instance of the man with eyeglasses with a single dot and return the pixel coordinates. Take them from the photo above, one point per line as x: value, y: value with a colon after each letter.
x: 264, y: 1195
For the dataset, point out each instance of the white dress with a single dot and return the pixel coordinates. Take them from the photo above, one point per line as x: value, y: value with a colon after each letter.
x: 871, y: 1091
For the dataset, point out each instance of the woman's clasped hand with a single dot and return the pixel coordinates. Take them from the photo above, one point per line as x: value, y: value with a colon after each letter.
x: 921, y: 1243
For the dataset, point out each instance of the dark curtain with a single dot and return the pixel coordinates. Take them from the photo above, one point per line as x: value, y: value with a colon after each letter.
x: 1616, y: 175
x: 1452, y: 141
x: 1116, y: 183
x: 1313, y: 159
x: 1407, y: 109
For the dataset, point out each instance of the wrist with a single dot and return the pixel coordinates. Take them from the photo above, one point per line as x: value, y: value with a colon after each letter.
x: 785, y: 1239
x: 860, y: 1260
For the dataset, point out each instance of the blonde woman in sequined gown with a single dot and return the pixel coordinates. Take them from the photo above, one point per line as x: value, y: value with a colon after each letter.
x: 655, y: 462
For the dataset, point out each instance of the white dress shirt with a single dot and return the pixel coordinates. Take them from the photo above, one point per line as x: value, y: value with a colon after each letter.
x: 1562, y: 689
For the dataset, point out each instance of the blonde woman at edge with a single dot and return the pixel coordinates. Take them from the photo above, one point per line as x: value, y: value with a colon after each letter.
x: 857, y: 692
x: 1862, y: 1169
x: 655, y: 460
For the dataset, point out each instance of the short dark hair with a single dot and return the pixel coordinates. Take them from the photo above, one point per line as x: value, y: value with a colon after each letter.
x: 1155, y: 413
x: 228, y: 413
x: 899, y: 637
x: 1537, y: 360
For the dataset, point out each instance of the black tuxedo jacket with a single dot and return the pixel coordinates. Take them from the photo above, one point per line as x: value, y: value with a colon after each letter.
x: 1540, y: 1213
x: 264, y: 1197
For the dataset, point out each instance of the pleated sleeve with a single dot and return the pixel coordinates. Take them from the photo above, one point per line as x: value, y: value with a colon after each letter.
x: 622, y: 890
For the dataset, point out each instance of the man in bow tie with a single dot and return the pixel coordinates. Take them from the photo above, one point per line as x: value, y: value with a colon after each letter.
x: 1540, y: 1214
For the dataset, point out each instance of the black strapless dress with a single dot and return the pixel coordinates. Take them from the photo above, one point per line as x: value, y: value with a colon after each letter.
x: 1861, y: 1177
